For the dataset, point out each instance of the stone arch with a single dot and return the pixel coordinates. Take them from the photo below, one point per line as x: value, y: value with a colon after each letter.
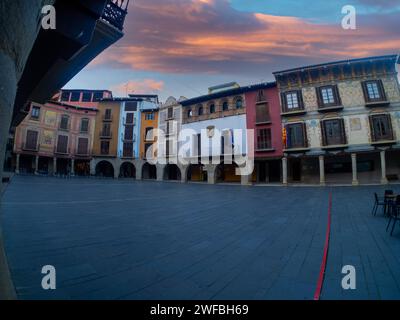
x: 227, y: 173
x: 149, y: 171
x: 172, y: 172
x: 197, y: 173
x: 105, y: 168
x: 127, y: 170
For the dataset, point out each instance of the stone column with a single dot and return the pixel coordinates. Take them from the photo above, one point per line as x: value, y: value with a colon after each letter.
x: 210, y: 168
x: 183, y: 169
x: 160, y: 172
x: 92, y: 167
x: 36, y: 165
x: 322, y: 170
x: 72, y: 167
x: 17, y: 164
x: 354, y: 168
x: 54, y: 166
x: 284, y: 171
x: 383, y: 167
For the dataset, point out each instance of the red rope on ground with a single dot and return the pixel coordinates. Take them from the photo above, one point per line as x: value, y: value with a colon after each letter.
x: 317, y: 293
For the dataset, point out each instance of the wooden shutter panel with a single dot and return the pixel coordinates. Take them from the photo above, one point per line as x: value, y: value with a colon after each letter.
x: 336, y: 93
x: 305, y: 141
x: 284, y: 102
x: 323, y: 133
x: 319, y: 97
x: 371, y: 127
x: 300, y: 99
x: 343, y: 132
x: 382, y: 90
x: 389, y: 119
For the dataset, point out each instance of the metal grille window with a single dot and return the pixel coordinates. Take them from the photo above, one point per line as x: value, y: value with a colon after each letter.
x: 64, y: 122
x: 264, y: 139
x: 65, y: 95
x: 333, y: 132
x: 84, y: 125
x: 381, y: 127
x: 128, y: 135
x: 62, y: 144
x: 296, y: 136
x: 83, y: 144
x: 104, y: 147
x: 31, y: 140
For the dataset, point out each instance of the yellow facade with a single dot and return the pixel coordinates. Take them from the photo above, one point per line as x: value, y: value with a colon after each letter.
x: 149, y: 119
x: 104, y: 119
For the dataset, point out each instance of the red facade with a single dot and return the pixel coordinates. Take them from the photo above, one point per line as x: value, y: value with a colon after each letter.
x: 264, y: 116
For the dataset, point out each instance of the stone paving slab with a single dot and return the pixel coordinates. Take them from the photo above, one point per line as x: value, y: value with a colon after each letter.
x: 113, y: 239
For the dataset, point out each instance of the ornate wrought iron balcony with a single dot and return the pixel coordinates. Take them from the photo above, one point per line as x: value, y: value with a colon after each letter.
x: 115, y: 12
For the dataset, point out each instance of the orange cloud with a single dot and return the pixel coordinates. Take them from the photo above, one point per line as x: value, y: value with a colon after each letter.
x: 138, y: 86
x: 183, y: 36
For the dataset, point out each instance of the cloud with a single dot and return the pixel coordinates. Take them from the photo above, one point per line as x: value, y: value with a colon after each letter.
x: 209, y: 36
x: 380, y: 3
x: 138, y: 87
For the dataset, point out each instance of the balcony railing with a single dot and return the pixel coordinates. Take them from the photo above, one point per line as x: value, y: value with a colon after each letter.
x: 115, y: 12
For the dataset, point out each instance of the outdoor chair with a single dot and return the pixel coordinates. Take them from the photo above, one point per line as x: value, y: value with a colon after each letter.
x: 378, y: 202
x: 387, y: 201
x: 394, y: 214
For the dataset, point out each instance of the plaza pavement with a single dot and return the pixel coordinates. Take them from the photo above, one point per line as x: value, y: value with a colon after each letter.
x: 112, y: 239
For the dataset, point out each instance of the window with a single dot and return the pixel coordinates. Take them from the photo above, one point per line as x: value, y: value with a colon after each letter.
x: 225, y: 106
x: 129, y: 118
x: 64, y: 122
x: 130, y: 106
x: 212, y: 108
x: 264, y: 139
x: 107, y: 115
x: 200, y: 110
x: 189, y: 113
x: 328, y: 96
x: 146, y: 148
x: 87, y: 97
x: 149, y: 116
x: 260, y: 96
x: 62, y: 144
x: 296, y: 136
x: 333, y: 132
x: 75, y: 96
x: 292, y: 101
x: 170, y: 127
x: 106, y: 131
x: 105, y: 147
x: 128, y: 135
x: 149, y: 134
x: 198, y: 143
x: 31, y: 140
x: 65, y: 95
x: 83, y: 144
x: 170, y: 113
x: 374, y: 91
x: 381, y: 127
x: 97, y: 96
x: 127, y: 151
x: 84, y: 125
x: 262, y: 113
x: 239, y: 103
x: 35, y: 113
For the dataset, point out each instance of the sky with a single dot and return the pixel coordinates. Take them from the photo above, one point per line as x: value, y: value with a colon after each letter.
x: 182, y: 47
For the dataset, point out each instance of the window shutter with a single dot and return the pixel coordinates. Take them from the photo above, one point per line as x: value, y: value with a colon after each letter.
x: 343, y: 131
x: 300, y: 99
x: 371, y: 127
x: 323, y: 132
x: 365, y: 91
x: 305, y: 142
x: 382, y: 90
x: 319, y: 97
x: 338, y: 100
x: 389, y: 120
x: 283, y: 101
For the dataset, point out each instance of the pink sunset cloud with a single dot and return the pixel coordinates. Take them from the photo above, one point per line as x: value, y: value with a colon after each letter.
x: 144, y: 86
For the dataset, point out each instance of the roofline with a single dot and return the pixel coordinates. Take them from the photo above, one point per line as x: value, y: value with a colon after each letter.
x: 348, y: 61
x: 61, y: 104
x: 86, y: 90
x: 225, y: 93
